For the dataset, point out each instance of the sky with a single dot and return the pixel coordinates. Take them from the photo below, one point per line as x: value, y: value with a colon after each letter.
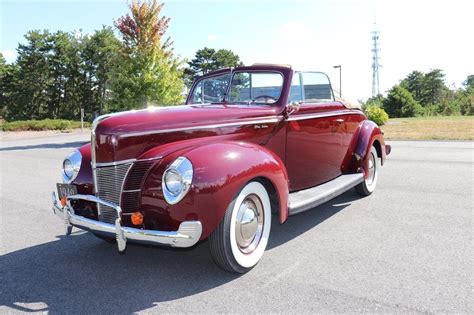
x: 309, y: 35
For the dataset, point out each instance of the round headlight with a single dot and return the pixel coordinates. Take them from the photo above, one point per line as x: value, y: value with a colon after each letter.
x: 177, y: 180
x: 68, y: 168
x: 173, y: 182
x: 71, y: 166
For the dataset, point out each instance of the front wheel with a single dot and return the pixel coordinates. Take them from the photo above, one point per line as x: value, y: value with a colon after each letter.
x: 240, y: 240
x: 372, y: 171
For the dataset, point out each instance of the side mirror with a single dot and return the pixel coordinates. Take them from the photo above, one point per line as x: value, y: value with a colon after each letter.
x: 293, y: 107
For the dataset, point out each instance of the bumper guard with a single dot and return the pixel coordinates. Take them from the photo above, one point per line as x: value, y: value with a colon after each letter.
x: 187, y: 235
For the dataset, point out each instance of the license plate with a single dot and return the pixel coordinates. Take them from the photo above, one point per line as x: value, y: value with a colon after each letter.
x: 65, y: 190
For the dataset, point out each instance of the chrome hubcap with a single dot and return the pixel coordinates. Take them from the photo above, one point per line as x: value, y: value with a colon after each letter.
x: 371, y: 170
x: 249, y: 224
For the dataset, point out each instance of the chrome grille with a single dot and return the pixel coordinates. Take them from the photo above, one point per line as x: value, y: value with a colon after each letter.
x: 109, y: 181
x: 137, y: 174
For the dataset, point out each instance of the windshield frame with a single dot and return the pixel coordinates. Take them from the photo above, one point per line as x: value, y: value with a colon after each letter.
x: 232, y: 72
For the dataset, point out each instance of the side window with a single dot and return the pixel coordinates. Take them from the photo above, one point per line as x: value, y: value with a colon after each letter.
x: 256, y: 87
x: 296, y: 91
x: 316, y: 87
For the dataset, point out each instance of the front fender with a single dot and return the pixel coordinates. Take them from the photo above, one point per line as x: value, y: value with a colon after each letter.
x: 84, y: 181
x: 220, y: 171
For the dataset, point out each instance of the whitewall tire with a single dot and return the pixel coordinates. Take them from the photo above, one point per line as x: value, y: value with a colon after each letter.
x: 240, y: 240
x: 371, y: 167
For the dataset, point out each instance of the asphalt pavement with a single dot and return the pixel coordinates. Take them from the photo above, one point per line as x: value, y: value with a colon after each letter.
x: 406, y: 248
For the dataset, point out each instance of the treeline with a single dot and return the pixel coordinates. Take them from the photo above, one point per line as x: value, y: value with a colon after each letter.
x: 128, y: 66
x: 57, y: 74
x: 424, y: 94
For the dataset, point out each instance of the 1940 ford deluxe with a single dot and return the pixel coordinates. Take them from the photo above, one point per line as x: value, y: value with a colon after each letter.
x: 250, y: 142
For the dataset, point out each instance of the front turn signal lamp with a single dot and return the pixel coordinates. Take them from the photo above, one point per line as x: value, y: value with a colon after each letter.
x: 137, y: 218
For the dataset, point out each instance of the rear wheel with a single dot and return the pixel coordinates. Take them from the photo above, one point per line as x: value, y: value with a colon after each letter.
x: 372, y: 170
x: 240, y: 240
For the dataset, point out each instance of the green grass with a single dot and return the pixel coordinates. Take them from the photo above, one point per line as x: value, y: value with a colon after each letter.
x: 430, y: 128
x: 39, y: 125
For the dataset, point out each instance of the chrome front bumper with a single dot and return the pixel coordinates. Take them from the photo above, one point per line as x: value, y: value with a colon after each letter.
x: 187, y: 235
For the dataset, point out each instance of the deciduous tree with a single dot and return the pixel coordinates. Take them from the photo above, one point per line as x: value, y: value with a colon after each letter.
x: 148, y: 72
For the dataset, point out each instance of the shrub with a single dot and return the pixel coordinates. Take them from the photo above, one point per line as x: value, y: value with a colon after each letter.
x: 37, y: 125
x: 376, y: 114
x: 400, y: 103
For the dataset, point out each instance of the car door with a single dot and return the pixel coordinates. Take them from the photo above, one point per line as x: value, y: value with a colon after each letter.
x: 314, y: 152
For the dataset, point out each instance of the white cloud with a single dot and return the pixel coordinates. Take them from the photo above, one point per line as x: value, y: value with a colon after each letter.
x: 211, y: 37
x: 9, y: 55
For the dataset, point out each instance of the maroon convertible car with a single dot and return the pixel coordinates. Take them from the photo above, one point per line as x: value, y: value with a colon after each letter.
x: 250, y: 142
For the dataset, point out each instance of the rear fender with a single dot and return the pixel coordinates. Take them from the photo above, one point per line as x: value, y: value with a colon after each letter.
x: 220, y: 171
x: 369, y: 135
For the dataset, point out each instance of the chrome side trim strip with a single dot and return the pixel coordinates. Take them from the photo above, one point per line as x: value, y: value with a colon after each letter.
x: 188, y: 233
x: 240, y: 123
x: 295, y: 116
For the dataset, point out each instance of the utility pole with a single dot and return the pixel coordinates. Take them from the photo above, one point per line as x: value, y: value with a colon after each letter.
x: 375, y: 62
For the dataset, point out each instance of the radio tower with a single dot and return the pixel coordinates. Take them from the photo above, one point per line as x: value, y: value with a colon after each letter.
x: 375, y: 62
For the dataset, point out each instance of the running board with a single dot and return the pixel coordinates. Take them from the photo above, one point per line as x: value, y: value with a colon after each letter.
x: 303, y: 200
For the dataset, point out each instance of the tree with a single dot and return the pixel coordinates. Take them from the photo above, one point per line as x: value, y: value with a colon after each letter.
x: 400, y: 103
x: 65, y: 88
x: 469, y: 83
x: 29, y: 95
x: 7, y: 79
x: 415, y: 84
x: 428, y: 89
x: 435, y: 87
x: 99, y: 55
x: 207, y: 60
x: 59, y: 73
x: 148, y: 71
x: 465, y: 96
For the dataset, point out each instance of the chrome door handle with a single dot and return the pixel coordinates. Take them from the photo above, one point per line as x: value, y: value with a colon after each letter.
x: 339, y: 121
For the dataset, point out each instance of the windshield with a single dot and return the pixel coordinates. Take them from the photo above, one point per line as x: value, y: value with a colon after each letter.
x: 258, y: 87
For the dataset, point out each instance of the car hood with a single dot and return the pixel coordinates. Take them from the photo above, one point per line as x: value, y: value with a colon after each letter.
x: 129, y: 134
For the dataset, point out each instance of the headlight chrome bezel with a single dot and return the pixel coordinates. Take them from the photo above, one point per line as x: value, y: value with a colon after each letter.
x: 74, y: 159
x: 183, y: 168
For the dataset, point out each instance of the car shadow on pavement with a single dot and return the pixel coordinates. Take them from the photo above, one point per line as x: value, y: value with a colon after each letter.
x: 82, y: 274
x: 302, y: 222
x: 74, y: 144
